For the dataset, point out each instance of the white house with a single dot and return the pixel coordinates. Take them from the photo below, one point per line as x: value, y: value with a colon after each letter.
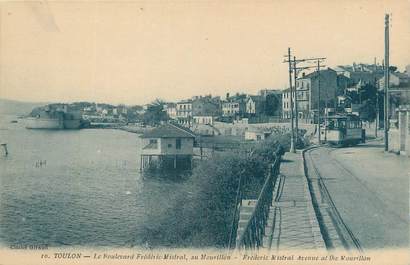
x: 165, y: 142
x: 204, y: 120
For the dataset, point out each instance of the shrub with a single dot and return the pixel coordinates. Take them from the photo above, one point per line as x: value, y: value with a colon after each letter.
x: 204, y: 218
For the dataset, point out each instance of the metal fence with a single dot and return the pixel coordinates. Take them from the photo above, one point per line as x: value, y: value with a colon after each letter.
x: 252, y: 235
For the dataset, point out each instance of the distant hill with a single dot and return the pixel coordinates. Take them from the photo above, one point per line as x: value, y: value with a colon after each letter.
x: 14, y: 107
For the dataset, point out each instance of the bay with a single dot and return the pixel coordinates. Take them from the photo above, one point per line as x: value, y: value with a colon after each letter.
x: 77, y: 188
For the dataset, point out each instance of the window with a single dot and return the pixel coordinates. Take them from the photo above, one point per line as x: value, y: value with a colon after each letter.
x: 169, y: 145
x: 153, y: 141
x: 178, y: 144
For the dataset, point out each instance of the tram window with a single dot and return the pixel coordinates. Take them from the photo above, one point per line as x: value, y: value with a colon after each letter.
x: 331, y: 125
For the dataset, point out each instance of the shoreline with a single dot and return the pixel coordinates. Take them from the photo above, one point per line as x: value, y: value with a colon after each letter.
x: 122, y: 127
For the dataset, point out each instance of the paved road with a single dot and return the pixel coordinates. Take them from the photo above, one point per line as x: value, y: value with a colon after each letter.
x: 370, y: 189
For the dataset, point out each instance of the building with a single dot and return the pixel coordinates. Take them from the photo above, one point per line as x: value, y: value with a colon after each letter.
x: 257, y: 135
x: 367, y: 73
x: 407, y: 71
x: 343, y: 83
x: 307, y: 90
x: 234, y: 106
x: 205, y: 110
x: 199, y: 109
x: 203, y: 120
x: 206, y: 106
x: 255, y: 105
x: 184, y: 109
x: 396, y: 79
x: 399, y: 91
x: 184, y: 112
x: 286, y: 103
x: 171, y: 110
x: 230, y: 108
x: 168, y: 145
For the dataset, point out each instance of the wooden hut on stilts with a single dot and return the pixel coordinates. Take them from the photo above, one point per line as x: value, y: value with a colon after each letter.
x: 170, y: 145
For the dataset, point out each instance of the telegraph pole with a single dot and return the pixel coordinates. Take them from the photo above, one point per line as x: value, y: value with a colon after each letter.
x: 377, y: 114
x: 296, y: 69
x: 318, y: 100
x: 386, y: 83
x: 296, y: 100
x: 292, y: 138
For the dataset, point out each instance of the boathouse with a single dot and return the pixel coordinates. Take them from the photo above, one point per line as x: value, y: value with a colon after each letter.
x: 169, y: 145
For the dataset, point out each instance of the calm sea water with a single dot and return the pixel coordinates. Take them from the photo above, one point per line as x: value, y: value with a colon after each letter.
x: 79, y: 187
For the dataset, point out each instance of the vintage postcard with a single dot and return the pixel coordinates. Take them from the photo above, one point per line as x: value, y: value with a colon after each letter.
x: 204, y: 132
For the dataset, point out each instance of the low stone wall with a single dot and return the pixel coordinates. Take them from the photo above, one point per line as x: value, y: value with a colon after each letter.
x: 394, y: 141
x: 239, y: 129
x: 399, y: 133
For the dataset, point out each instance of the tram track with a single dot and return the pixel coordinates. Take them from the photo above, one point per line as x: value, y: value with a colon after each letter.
x: 373, y: 193
x: 335, y: 232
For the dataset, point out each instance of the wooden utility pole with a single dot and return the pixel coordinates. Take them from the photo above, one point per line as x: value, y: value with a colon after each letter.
x: 318, y: 100
x: 296, y: 100
x: 292, y: 138
x: 296, y: 69
x: 386, y: 83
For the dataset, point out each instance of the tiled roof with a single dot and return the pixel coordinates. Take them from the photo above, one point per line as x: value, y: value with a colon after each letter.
x: 169, y: 131
x: 314, y: 74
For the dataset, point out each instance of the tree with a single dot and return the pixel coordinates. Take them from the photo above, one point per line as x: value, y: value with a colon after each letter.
x: 155, y: 113
x: 392, y: 68
x: 272, y: 105
x: 368, y: 110
x: 368, y: 98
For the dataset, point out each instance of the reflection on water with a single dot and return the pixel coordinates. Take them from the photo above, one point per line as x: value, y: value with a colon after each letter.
x: 79, y: 187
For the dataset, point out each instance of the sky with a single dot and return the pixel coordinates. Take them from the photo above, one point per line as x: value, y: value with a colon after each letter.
x: 133, y: 52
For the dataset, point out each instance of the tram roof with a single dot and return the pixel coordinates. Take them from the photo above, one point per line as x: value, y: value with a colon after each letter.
x: 343, y: 116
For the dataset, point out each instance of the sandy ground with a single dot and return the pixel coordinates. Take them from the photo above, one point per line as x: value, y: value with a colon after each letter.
x: 370, y: 188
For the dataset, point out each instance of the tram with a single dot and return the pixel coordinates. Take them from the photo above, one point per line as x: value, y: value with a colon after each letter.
x: 342, y: 130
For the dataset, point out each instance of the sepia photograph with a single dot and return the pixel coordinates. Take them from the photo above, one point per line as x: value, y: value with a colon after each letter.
x: 205, y: 132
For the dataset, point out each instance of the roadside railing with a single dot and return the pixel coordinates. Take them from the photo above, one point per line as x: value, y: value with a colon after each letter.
x: 252, y: 235
x: 235, y: 219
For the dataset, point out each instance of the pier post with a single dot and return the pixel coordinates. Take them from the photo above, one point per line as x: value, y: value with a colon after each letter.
x: 6, y: 152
